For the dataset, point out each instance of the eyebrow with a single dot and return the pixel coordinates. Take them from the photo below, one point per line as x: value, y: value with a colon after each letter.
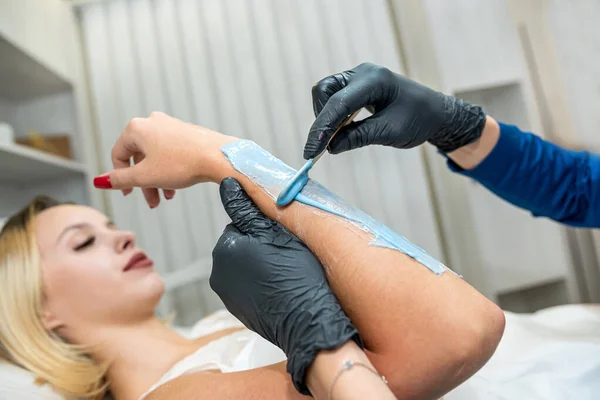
x: 81, y: 225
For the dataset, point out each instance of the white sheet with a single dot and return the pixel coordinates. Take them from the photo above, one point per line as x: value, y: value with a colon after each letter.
x: 553, y: 354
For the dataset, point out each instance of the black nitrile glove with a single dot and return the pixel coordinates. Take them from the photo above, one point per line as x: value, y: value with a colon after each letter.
x: 405, y: 113
x: 274, y: 284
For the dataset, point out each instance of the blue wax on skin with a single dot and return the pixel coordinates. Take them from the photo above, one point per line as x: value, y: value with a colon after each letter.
x: 273, y: 176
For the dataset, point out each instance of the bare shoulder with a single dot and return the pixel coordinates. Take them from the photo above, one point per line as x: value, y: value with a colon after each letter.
x: 268, y: 383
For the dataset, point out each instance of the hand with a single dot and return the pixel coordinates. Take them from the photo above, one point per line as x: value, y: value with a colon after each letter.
x: 272, y: 282
x: 405, y: 113
x: 167, y: 154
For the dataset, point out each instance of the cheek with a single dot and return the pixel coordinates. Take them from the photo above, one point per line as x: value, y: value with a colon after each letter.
x: 98, y: 293
x: 74, y: 287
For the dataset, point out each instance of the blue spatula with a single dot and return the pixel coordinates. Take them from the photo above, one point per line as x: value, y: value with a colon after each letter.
x: 299, y: 180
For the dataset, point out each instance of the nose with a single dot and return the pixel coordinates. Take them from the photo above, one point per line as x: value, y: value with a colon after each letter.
x: 124, y: 240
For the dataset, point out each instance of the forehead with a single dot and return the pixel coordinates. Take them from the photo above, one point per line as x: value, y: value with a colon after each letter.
x: 51, y: 222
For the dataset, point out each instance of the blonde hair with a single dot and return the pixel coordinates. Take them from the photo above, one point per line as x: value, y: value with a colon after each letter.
x: 24, y: 340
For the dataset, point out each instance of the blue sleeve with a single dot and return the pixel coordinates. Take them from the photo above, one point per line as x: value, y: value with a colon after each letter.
x: 536, y: 175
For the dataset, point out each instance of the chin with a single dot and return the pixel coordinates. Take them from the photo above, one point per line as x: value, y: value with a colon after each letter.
x: 156, y: 285
x: 151, y: 290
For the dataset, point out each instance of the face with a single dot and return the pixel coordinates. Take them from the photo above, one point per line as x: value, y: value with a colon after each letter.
x: 93, y: 274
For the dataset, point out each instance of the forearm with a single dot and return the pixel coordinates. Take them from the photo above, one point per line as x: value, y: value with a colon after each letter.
x: 273, y: 382
x: 471, y: 155
x: 357, y: 383
x: 534, y: 174
x: 425, y: 332
x: 266, y: 383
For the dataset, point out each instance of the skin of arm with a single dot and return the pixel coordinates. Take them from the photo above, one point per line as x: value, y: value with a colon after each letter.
x: 533, y: 174
x: 425, y: 333
x: 471, y: 155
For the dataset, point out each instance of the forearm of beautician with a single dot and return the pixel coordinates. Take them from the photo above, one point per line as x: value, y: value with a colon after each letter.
x: 471, y: 155
x: 534, y: 174
x: 519, y: 167
x: 426, y: 331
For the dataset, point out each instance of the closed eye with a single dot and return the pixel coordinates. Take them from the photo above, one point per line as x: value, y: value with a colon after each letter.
x: 85, y: 244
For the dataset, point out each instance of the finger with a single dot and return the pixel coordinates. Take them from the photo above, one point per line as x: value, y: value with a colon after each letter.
x: 157, y: 115
x: 137, y: 157
x: 339, y: 106
x: 152, y: 197
x: 355, y: 135
x: 123, y: 164
x: 169, y: 194
x: 120, y: 164
x: 244, y: 214
x: 124, y: 178
x: 124, y: 149
x: 128, y: 144
x: 150, y: 194
x: 325, y: 88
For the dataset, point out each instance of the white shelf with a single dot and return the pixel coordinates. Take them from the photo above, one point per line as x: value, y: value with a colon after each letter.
x: 22, y: 77
x: 20, y: 164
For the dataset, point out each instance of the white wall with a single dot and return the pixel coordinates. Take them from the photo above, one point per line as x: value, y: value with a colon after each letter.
x: 576, y: 35
x: 475, y: 42
x: 245, y: 68
x: 41, y: 28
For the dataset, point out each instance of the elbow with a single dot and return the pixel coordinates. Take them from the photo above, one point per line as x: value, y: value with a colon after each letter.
x: 477, y: 342
x: 471, y: 343
x: 464, y: 340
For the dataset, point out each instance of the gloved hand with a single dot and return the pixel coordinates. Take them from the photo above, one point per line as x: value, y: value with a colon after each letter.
x: 274, y: 284
x: 405, y: 113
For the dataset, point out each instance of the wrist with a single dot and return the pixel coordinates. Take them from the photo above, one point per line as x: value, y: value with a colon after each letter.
x: 464, y: 125
x: 320, y: 334
x: 216, y: 166
x: 328, y: 363
x: 471, y: 155
x: 328, y: 376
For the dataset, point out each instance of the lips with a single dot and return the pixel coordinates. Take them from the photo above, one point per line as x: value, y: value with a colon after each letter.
x: 137, y: 261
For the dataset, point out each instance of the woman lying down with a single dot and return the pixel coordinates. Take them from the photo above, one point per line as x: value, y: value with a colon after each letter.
x: 78, y: 298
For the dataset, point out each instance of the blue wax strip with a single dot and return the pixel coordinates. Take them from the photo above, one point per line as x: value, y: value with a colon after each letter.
x: 273, y: 176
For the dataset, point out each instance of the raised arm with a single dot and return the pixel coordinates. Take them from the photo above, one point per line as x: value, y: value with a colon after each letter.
x: 519, y: 167
x: 426, y: 331
x: 533, y: 174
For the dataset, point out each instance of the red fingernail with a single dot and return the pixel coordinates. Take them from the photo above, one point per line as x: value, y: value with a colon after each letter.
x: 102, y: 182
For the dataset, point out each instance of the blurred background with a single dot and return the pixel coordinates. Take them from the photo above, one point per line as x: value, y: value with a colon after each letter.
x: 73, y: 73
